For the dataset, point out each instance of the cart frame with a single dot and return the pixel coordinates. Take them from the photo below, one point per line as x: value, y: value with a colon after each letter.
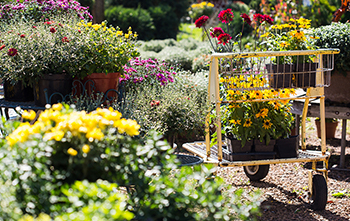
x: 315, y: 92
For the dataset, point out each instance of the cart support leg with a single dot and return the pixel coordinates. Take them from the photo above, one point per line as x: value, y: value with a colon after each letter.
x: 303, y: 122
x: 310, y: 182
x: 323, y: 126
x: 343, y: 144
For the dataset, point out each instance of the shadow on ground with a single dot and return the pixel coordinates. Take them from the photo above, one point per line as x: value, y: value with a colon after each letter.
x: 272, y: 209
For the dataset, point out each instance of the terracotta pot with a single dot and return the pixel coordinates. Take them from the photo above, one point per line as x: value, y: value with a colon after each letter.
x: 52, y: 88
x: 97, y: 83
x: 331, y: 127
x: 18, y: 92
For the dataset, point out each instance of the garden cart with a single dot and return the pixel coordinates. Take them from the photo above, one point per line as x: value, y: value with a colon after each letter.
x: 233, y: 75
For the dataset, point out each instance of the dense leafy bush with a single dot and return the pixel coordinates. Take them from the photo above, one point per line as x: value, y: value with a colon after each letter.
x: 335, y: 35
x: 181, y: 53
x: 166, y: 16
x: 138, y: 18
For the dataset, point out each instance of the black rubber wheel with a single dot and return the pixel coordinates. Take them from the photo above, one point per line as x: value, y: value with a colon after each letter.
x: 319, y: 192
x: 257, y: 172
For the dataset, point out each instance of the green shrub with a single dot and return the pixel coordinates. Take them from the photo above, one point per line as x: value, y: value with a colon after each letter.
x: 335, y: 35
x: 94, y: 201
x: 165, y: 21
x: 139, y: 19
x: 157, y: 45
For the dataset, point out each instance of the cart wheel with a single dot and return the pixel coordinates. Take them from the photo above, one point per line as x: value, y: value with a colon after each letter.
x: 256, y: 172
x: 319, y: 192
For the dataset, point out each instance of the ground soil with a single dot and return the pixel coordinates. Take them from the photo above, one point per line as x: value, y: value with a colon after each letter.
x: 285, y: 189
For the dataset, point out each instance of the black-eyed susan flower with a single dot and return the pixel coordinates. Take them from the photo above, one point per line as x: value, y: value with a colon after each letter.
x: 248, y: 122
x: 267, y: 124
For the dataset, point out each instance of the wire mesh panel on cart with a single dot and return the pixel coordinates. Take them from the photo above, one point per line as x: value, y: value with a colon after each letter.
x: 251, y: 71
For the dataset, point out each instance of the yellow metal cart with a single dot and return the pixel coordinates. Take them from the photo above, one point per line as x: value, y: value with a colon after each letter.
x: 274, y: 68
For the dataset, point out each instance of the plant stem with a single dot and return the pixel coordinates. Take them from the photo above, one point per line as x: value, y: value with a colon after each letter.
x: 205, y: 30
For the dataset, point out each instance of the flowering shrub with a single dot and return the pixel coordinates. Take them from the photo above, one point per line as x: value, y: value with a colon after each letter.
x: 198, y: 9
x: 30, y: 50
x: 151, y: 72
x: 77, y: 140
x: 227, y: 41
x: 250, y: 120
x: 39, y: 10
x: 294, y: 35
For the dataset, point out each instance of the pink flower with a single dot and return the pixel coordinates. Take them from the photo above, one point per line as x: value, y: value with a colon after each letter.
x: 34, y: 26
x: 65, y: 39
x: 49, y: 22
x: 200, y: 21
x: 226, y: 16
x: 12, y: 52
x: 52, y: 30
x: 246, y: 18
x: 216, y: 32
x: 224, y: 38
x: 22, y: 36
x: 268, y: 19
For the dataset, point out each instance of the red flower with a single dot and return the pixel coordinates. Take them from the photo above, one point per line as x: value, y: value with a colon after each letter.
x: 22, y: 35
x: 60, y: 24
x: 246, y: 18
x: 49, y: 22
x: 2, y: 47
x: 65, y: 39
x: 34, y: 26
x: 224, y: 38
x: 79, y: 31
x: 226, y: 16
x: 52, y: 30
x: 155, y: 103
x: 200, y: 21
x: 268, y: 19
x: 12, y: 52
x: 216, y: 32
x: 258, y: 17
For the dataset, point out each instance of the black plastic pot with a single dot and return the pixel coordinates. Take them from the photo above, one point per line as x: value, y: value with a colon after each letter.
x: 282, y: 77
x: 306, y: 75
x: 287, y: 148
x: 52, y: 88
x: 18, y: 92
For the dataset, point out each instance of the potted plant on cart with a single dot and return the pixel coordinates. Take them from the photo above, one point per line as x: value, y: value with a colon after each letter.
x: 257, y: 124
x: 291, y: 71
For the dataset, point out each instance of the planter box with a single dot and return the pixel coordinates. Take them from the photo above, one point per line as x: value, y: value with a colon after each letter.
x: 283, y: 75
x: 338, y: 91
x: 235, y: 151
x: 262, y: 147
x: 307, y: 76
x: 287, y: 148
x: 18, y: 92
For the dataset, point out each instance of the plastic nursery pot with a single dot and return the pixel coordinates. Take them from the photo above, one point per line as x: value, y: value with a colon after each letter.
x: 287, y: 148
x: 282, y: 76
x: 18, y: 92
x: 52, y: 88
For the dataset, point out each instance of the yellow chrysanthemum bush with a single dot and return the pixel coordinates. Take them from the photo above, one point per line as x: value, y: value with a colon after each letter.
x: 84, y: 145
x: 245, y: 119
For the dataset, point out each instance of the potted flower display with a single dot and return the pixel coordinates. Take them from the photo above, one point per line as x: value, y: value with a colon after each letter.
x: 249, y: 127
x: 298, y: 71
x: 62, y: 47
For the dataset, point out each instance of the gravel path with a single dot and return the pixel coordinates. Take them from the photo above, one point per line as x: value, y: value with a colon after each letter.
x: 285, y: 189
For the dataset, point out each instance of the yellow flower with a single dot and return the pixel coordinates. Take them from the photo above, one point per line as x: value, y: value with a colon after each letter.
x: 95, y: 133
x: 86, y: 148
x: 264, y: 112
x: 284, y: 44
x: 127, y: 36
x: 57, y: 107
x: 28, y: 115
x: 265, y: 35
x: 89, y: 24
x: 72, y: 152
x: 267, y: 124
x: 119, y: 33
x: 210, y: 4
x: 248, y: 122
x: 130, y: 127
